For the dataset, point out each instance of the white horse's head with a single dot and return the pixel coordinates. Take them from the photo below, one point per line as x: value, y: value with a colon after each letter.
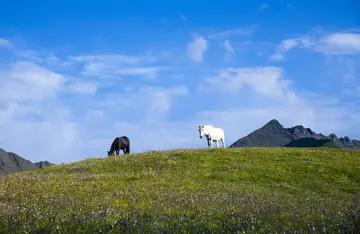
x: 203, y: 130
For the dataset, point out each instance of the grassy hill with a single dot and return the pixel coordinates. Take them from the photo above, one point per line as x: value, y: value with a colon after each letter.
x: 248, y: 189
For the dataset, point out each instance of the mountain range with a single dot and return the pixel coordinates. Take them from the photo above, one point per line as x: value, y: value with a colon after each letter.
x: 11, y: 162
x: 273, y: 134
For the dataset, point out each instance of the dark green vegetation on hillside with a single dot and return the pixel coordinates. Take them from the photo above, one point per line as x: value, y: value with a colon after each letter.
x: 252, y: 189
x: 312, y: 143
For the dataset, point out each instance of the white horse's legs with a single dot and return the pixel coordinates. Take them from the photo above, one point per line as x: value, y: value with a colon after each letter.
x: 217, y: 144
x: 223, y: 142
x: 209, y: 143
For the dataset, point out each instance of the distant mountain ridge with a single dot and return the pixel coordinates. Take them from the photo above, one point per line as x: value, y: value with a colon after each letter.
x: 11, y: 162
x: 273, y: 134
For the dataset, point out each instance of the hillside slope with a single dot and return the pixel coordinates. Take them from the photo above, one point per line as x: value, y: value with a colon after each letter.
x: 273, y: 134
x: 209, y: 190
x: 11, y: 162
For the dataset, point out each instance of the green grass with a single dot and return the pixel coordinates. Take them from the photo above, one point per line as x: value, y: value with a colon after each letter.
x: 256, y: 190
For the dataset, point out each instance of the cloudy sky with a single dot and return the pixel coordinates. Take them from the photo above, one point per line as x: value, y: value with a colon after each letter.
x: 76, y: 74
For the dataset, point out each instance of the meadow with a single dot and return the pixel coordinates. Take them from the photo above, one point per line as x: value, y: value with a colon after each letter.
x: 256, y: 190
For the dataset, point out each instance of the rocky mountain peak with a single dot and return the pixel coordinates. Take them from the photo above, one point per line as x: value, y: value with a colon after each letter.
x: 273, y: 124
x: 346, y: 139
x: 333, y: 136
x: 300, y: 131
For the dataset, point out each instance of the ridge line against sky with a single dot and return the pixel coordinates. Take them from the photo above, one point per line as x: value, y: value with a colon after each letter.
x: 72, y: 79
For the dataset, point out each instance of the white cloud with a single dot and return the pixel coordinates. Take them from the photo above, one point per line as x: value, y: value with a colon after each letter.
x: 30, y: 115
x: 328, y: 44
x: 82, y: 87
x: 33, y: 112
x: 284, y: 46
x: 115, y: 65
x: 117, y: 59
x: 51, y: 57
x: 150, y: 71
x: 343, y: 68
x: 228, y: 47
x: 288, y: 44
x: 28, y: 55
x: 344, y: 39
x: 5, y: 43
x: 339, y: 43
x: 26, y: 81
x: 161, y: 97
x: 39, y: 141
x: 266, y: 81
x: 147, y: 103
x: 150, y: 96
x: 277, y: 57
x: 233, y: 32
x: 147, y: 133
x: 196, y: 49
x: 306, y: 42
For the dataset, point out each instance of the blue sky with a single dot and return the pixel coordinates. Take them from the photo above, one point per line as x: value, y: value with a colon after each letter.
x: 76, y: 74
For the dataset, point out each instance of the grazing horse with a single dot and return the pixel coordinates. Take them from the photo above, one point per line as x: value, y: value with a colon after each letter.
x: 212, y: 134
x: 120, y: 143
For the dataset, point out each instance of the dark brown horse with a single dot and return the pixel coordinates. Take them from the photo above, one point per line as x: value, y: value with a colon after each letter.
x: 120, y: 143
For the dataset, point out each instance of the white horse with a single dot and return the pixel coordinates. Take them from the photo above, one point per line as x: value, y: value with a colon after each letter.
x: 212, y: 134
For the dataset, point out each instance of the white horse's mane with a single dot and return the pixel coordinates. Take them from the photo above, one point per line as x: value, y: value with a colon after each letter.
x: 206, y: 126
